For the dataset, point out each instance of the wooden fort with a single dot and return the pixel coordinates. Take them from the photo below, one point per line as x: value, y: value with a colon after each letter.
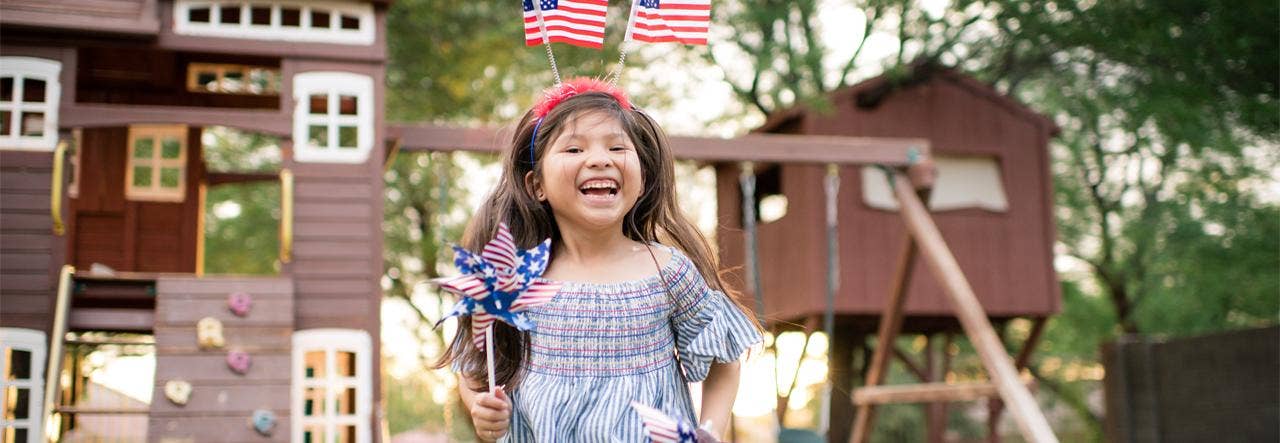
x: 992, y: 203
x: 103, y: 107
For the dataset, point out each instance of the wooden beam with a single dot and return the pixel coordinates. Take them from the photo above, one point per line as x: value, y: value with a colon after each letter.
x: 973, y: 319
x: 924, y: 393
x: 995, y: 407
x: 912, y: 366
x: 890, y: 324
x: 89, y: 115
x: 767, y: 148
x: 218, y: 178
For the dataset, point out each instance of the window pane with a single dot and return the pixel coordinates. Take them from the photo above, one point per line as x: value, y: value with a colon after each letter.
x: 260, y: 15
x: 207, y: 80
x: 14, y: 434
x: 319, y: 104
x: 33, y: 124
x: 319, y: 19
x: 318, y: 136
x: 313, y: 402
x: 347, y: 104
x: 347, y: 136
x: 170, y: 148
x: 142, y: 147
x: 346, y: 402
x: 142, y: 176
x: 314, y: 364
x: 17, y: 403
x: 263, y: 81
x: 350, y: 22
x: 290, y: 17
x: 169, y: 177
x: 6, y: 89
x: 313, y: 434
x: 233, y: 80
x: 5, y: 118
x: 33, y: 90
x: 19, y: 364
x: 230, y: 14
x: 198, y: 15
x: 345, y: 364
x: 346, y: 434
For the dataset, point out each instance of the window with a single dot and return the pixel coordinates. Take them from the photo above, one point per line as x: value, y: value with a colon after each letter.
x: 157, y: 169
x: 332, y: 387
x: 21, y: 384
x: 29, y: 92
x: 963, y: 182
x: 333, y: 118
x: 233, y: 79
x: 287, y: 20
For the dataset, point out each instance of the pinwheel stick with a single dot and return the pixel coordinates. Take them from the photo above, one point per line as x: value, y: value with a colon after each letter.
x: 488, y: 353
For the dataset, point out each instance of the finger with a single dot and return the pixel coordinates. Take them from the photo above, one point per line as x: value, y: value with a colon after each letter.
x: 493, y: 402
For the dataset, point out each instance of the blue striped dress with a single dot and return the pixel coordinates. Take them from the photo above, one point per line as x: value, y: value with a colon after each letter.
x: 600, y: 346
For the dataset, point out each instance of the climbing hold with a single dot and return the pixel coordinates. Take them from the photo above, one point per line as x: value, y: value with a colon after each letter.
x: 264, y: 421
x: 209, y: 333
x: 177, y: 391
x: 239, y: 302
x: 238, y: 361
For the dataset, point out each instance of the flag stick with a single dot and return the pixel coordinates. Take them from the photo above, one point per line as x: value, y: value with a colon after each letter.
x: 488, y: 353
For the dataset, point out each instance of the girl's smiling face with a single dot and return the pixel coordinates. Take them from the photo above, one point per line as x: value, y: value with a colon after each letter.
x: 590, y: 173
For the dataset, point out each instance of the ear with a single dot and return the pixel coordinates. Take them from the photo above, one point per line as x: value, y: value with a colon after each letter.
x: 534, y: 185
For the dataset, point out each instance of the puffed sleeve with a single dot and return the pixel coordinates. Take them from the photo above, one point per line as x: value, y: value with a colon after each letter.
x: 708, y: 326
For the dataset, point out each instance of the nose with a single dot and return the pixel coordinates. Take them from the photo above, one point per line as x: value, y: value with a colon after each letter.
x: 599, y: 158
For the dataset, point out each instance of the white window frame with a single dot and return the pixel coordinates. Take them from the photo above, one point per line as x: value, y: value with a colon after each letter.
x: 305, y: 32
x: 970, y: 182
x: 22, y: 68
x: 34, y: 342
x: 331, y: 340
x: 156, y: 192
x: 334, y: 84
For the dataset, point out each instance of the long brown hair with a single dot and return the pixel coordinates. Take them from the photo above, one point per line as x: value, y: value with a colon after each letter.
x: 656, y: 217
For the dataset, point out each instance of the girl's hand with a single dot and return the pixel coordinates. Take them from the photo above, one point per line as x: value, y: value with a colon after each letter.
x: 491, y: 414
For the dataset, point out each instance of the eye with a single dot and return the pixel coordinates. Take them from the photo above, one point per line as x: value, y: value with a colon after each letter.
x: 572, y: 149
x: 618, y: 148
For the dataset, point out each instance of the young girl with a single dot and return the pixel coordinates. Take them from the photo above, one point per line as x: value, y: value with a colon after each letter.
x: 642, y: 311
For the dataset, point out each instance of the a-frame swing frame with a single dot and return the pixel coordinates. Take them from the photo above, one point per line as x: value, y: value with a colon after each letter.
x: 910, y: 172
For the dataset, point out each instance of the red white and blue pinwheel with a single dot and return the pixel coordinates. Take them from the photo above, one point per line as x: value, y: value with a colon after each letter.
x: 664, y: 429
x: 500, y: 282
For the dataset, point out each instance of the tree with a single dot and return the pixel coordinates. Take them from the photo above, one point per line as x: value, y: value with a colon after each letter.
x: 1169, y: 124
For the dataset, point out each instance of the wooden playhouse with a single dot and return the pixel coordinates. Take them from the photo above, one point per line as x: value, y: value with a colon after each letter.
x: 102, y: 182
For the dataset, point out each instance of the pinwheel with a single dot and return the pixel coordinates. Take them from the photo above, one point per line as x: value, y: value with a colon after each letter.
x: 664, y: 429
x: 501, y: 282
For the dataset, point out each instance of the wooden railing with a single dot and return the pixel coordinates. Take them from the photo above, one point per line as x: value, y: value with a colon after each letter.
x: 286, y: 215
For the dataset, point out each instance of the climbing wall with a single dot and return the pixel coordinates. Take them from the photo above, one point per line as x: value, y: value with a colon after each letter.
x: 226, y: 342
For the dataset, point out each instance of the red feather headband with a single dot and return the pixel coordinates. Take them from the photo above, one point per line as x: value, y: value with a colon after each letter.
x: 553, y: 96
x: 557, y: 94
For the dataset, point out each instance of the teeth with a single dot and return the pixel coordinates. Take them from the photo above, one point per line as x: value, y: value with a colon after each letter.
x: 599, y: 185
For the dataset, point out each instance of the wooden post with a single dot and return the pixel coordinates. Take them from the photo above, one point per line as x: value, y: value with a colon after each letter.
x: 995, y: 406
x: 842, y: 374
x: 972, y: 318
x: 890, y: 324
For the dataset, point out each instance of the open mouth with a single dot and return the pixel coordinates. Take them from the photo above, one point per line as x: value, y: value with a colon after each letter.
x: 599, y: 187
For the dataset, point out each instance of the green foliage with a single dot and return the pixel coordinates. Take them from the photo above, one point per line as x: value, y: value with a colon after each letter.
x: 247, y: 240
x: 410, y: 407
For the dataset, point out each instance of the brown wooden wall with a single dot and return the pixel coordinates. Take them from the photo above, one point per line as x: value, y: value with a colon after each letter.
x: 1007, y: 257
x: 30, y: 254
x: 337, y: 250
x: 127, y: 235
x: 113, y: 16
x: 222, y: 401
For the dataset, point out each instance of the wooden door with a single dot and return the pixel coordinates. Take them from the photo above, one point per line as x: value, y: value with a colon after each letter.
x: 137, y: 229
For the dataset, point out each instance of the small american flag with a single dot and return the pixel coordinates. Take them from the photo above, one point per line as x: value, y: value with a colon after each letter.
x: 684, y: 21
x: 662, y: 428
x: 576, y: 22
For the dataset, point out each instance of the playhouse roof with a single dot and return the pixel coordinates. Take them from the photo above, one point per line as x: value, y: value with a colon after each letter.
x: 872, y: 92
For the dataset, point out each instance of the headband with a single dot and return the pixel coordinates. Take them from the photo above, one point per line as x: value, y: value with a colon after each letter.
x: 557, y: 94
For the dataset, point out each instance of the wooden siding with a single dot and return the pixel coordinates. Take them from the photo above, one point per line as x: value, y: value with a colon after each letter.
x: 127, y: 235
x: 30, y: 254
x: 130, y: 17
x: 337, y: 245
x: 222, y: 401
x: 372, y: 53
x: 1006, y: 256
